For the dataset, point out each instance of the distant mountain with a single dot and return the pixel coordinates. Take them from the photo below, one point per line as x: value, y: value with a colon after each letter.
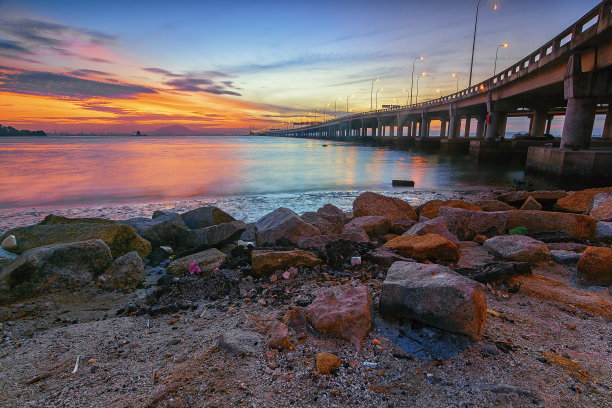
x: 174, y: 130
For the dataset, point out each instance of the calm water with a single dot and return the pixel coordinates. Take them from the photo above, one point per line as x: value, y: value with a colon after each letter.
x: 65, y: 172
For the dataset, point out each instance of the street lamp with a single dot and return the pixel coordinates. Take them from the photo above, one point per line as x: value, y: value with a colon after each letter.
x: 505, y: 45
x: 377, y: 91
x: 454, y: 75
x: 412, y: 76
x: 371, y: 90
x: 403, y: 90
x: 324, y: 110
x: 336, y: 107
x: 474, y: 41
x: 347, y: 109
x: 416, y: 100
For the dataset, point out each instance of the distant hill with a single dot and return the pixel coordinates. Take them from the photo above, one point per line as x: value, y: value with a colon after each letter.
x: 11, y: 131
x: 174, y: 130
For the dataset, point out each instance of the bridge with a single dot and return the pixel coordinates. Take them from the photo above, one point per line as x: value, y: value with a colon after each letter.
x: 569, y: 75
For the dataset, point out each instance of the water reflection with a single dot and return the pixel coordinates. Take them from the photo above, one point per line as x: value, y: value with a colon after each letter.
x: 68, y: 170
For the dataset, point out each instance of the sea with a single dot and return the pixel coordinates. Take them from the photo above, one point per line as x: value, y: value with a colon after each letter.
x: 119, y: 177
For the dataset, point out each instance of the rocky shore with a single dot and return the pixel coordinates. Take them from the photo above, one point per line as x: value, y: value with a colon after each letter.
x: 480, y: 301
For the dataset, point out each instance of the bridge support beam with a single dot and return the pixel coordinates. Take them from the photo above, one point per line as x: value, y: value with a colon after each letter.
x: 497, y: 125
x: 467, y: 127
x: 607, y: 129
x: 549, y: 120
x: 578, y: 125
x: 480, y: 126
x: 538, y: 122
x: 442, y: 128
x: 454, y: 126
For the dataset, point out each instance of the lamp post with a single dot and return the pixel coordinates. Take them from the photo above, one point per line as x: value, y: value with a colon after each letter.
x: 403, y: 90
x: 336, y: 107
x: 412, y: 76
x: 377, y: 91
x: 422, y: 74
x: 474, y: 43
x: 505, y: 45
x: 324, y: 115
x: 454, y: 75
x: 372, y: 89
x: 347, y: 109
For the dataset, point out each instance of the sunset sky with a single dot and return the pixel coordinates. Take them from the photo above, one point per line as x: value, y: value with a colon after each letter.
x: 220, y: 67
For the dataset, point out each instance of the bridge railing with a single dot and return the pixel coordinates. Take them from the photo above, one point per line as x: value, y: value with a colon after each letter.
x: 594, y: 22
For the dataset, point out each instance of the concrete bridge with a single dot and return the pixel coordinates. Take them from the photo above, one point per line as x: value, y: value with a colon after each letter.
x: 569, y: 75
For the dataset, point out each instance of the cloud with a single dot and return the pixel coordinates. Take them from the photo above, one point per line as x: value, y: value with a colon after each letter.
x: 161, y: 71
x: 102, y: 107
x: 50, y: 34
x: 87, y: 72
x: 14, y: 47
x: 60, y: 85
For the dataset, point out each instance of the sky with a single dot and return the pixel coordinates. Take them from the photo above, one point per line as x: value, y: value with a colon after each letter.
x: 223, y: 67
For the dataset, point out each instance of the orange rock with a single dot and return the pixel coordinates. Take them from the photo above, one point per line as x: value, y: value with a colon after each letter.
x: 428, y: 246
x: 531, y: 204
x: 570, y: 366
x: 494, y: 205
x: 376, y: 204
x: 327, y: 362
x: 373, y: 225
x: 269, y: 261
x: 547, y: 288
x: 389, y: 237
x: 595, y: 266
x: 580, y: 201
x: 579, y: 226
x: 280, y: 337
x: 479, y: 239
x: 430, y: 210
x: 602, y: 207
x: 346, y: 316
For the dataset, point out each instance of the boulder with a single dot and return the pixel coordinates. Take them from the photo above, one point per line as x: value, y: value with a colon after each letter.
x: 279, y: 338
x: 6, y: 258
x: 54, y: 267
x: 518, y: 248
x: 564, y: 257
x: 473, y: 256
x: 602, y: 207
x: 52, y: 219
x: 206, y: 217
x: 385, y: 257
x: 579, y: 226
x: 547, y: 288
x: 373, y: 225
x: 266, y: 262
x: 125, y: 273
x: 216, y: 235
x: 434, y: 226
x: 319, y: 241
x: 340, y: 252
x: 531, y: 204
x: 434, y: 295
x: 327, y: 362
x: 333, y: 215
x: 466, y: 224
x: 372, y: 204
x: 9, y: 242
x: 281, y: 227
x: 494, y: 205
x: 499, y: 271
x: 120, y: 238
x: 431, y: 209
x: 603, y: 231
x: 158, y: 213
x: 401, y: 225
x: 580, y: 202
x: 516, y: 198
x: 346, y: 315
x: 595, y: 266
x: 167, y: 229
x: 321, y: 223
x: 429, y: 246
x: 207, y: 261
x: 565, y: 246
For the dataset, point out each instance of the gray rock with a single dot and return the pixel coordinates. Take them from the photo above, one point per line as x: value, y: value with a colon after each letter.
x: 158, y: 213
x: 465, y: 224
x: 281, y: 227
x: 333, y: 215
x: 321, y: 223
x: 54, y: 267
x: 9, y: 242
x: 604, y: 231
x: 373, y: 225
x: 565, y: 257
x: 207, y: 261
x: 125, y: 273
x: 240, y: 343
x: 500, y: 271
x: 6, y: 258
x: 518, y: 248
x: 167, y: 229
x: 250, y: 233
x: 216, y: 235
x: 435, y: 295
x: 401, y: 225
x: 385, y: 257
x: 205, y: 217
x: 434, y: 226
x: 473, y: 256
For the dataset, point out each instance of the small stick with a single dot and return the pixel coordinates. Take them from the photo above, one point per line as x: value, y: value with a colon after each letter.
x: 203, y: 311
x: 76, y: 366
x: 148, y: 323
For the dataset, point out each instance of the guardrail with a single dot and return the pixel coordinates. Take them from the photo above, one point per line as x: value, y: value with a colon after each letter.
x: 596, y: 21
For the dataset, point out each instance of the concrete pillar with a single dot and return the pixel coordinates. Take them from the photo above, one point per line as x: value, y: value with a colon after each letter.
x: 392, y: 130
x: 538, y: 122
x: 467, y: 127
x: 607, y: 129
x: 454, y: 126
x: 497, y: 125
x: 415, y: 125
x: 549, y: 120
x: 373, y: 131
x: 480, y: 126
x: 578, y: 125
x: 443, y: 128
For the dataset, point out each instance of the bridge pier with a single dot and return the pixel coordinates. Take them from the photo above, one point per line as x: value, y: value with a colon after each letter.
x: 454, y: 126
x: 578, y: 125
x: 480, y: 126
x: 442, y: 128
x: 497, y: 125
x: 538, y: 122
x: 467, y: 127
